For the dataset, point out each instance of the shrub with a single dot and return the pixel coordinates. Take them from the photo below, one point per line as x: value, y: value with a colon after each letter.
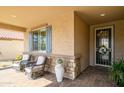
x: 117, y: 72
x: 59, y: 61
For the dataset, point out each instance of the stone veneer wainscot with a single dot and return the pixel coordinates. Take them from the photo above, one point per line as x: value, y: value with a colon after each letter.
x: 71, y: 64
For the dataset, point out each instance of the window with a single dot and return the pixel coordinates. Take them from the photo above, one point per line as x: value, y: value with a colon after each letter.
x: 40, y: 40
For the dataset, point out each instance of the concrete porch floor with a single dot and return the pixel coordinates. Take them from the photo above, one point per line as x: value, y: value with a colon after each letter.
x: 91, y: 77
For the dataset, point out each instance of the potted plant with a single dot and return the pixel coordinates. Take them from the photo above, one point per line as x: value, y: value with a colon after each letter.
x: 117, y: 72
x: 18, y: 57
x: 59, y: 70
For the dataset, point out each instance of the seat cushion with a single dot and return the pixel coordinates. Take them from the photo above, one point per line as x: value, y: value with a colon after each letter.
x: 23, y: 62
x: 41, y: 60
x: 38, y: 68
x: 28, y: 69
x: 35, y: 69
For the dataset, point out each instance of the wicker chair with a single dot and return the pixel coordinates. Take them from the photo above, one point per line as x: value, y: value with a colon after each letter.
x: 32, y: 71
x: 20, y: 65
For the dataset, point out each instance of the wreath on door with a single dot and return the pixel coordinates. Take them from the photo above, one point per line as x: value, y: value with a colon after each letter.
x: 103, y: 50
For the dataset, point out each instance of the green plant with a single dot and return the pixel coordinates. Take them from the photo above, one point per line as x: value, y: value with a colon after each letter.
x: 117, y: 72
x: 59, y: 61
x: 18, y: 57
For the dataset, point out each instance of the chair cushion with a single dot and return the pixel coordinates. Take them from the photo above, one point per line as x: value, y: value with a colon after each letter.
x: 41, y: 60
x: 28, y: 69
x: 37, y: 68
x: 23, y: 62
x: 25, y: 57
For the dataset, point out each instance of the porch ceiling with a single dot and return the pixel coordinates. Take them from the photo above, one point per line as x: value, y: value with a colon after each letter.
x: 28, y: 16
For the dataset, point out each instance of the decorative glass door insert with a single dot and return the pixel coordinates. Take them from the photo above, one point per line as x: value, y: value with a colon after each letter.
x: 104, y: 46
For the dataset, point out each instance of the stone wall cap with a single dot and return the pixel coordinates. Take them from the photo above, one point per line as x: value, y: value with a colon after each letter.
x: 54, y: 55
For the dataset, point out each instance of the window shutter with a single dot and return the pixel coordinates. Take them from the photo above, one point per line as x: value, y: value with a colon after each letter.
x: 30, y: 42
x: 49, y: 39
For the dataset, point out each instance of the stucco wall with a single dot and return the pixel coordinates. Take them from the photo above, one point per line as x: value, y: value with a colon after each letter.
x: 10, y: 48
x: 81, y: 40
x: 62, y: 34
x: 118, y: 39
x: 70, y: 36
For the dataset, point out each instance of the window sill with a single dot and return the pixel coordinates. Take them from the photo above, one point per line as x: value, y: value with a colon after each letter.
x: 38, y: 51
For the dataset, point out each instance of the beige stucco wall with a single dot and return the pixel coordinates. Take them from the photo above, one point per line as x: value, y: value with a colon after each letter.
x: 118, y: 39
x: 70, y: 36
x: 62, y: 34
x: 10, y: 48
x: 81, y: 40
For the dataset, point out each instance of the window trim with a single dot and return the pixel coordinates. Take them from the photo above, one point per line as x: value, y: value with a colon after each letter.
x: 48, y: 30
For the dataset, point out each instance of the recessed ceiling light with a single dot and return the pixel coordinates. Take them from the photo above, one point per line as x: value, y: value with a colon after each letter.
x: 14, y: 16
x: 103, y: 14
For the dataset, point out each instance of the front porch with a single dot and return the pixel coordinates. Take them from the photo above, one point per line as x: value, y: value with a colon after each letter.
x: 79, y: 40
x: 91, y: 77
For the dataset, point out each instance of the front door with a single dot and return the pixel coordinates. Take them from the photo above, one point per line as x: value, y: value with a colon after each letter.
x: 104, y: 50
